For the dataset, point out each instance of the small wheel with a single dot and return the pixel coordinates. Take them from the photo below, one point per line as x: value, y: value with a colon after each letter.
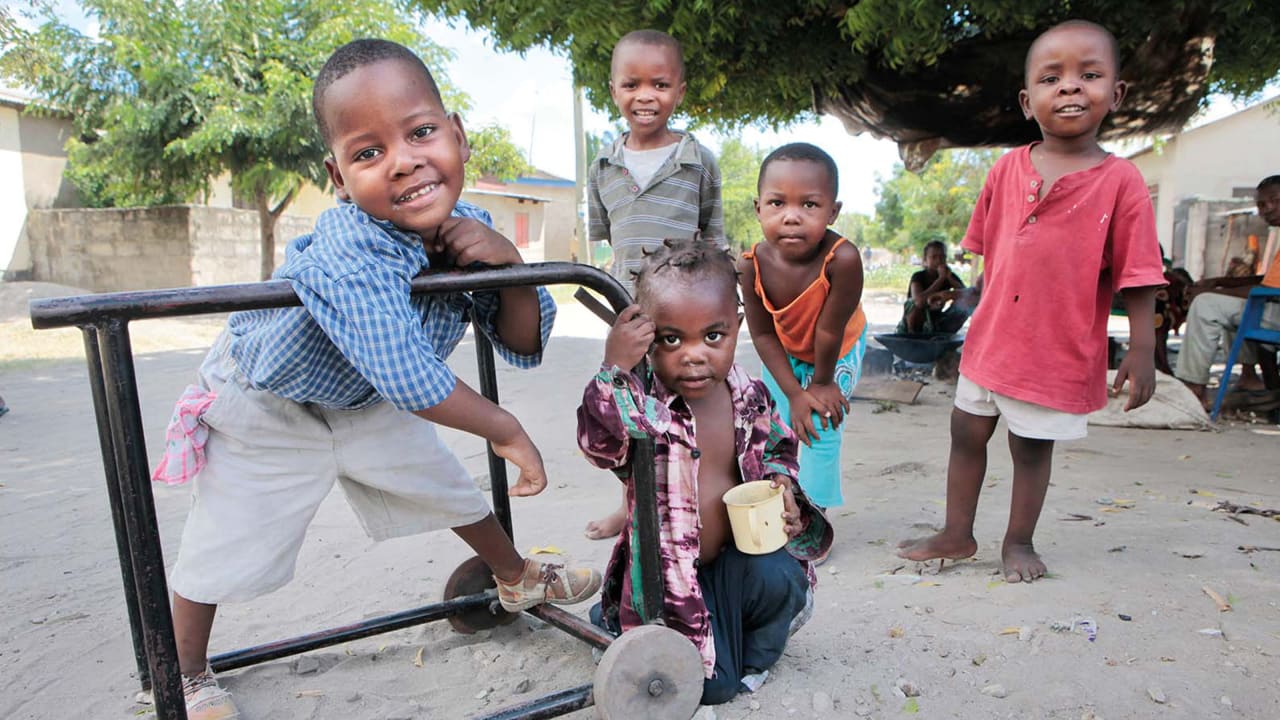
x: 650, y: 672
x: 472, y: 577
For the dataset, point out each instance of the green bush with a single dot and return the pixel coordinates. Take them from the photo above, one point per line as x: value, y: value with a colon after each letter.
x: 889, y: 277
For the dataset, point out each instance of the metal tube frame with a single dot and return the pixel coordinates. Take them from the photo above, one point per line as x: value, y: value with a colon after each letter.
x: 104, y: 321
x: 98, y: 389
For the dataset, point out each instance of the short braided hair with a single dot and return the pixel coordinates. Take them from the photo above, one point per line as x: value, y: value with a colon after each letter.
x: 690, y: 257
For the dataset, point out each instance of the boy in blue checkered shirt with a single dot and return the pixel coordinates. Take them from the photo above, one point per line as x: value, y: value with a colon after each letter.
x: 292, y: 399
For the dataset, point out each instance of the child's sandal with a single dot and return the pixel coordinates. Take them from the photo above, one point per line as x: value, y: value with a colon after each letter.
x: 547, y: 582
x: 205, y: 698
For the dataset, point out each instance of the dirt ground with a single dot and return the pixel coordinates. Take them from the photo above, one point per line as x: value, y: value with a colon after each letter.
x: 1128, y: 531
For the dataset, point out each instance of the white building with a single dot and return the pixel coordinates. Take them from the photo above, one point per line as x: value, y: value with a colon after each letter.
x: 31, y: 163
x: 1198, y: 177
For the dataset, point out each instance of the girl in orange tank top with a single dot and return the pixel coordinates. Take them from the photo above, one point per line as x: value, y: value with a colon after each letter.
x: 802, y: 292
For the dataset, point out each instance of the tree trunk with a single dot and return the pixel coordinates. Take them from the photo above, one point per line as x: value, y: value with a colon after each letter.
x: 267, y: 217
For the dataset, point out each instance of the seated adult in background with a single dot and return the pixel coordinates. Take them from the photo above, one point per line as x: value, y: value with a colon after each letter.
x: 1216, y: 307
x: 931, y: 289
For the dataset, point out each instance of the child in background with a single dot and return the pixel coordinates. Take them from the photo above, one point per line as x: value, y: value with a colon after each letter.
x: 293, y: 399
x: 1036, y: 351
x: 738, y: 609
x: 802, y: 291
x: 654, y: 182
x: 929, y: 291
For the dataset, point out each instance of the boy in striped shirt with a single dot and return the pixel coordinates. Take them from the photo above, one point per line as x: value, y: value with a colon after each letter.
x: 654, y: 182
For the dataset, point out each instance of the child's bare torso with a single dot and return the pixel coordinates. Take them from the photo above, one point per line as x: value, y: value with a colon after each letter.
x: 717, y: 468
x: 783, y: 280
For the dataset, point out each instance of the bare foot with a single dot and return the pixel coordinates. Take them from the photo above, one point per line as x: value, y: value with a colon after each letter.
x: 1206, y: 401
x: 1250, y: 383
x: 1021, y: 562
x: 941, y: 545
x: 607, y: 526
x: 1196, y: 389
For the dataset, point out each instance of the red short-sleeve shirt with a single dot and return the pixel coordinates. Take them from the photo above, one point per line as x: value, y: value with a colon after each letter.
x: 1052, y: 262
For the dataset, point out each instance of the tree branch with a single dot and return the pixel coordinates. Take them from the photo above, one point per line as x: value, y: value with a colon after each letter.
x: 284, y: 202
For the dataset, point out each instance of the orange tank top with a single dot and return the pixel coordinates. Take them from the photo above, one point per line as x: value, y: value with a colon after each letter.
x: 797, y: 323
x: 1272, y: 278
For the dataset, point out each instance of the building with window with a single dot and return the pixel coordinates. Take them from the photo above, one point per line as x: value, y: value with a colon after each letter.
x: 1202, y: 184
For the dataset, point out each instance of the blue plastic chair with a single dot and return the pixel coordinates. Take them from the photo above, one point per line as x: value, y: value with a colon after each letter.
x: 1250, y: 329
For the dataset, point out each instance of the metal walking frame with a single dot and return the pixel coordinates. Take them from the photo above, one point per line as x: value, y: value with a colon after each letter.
x: 104, y: 320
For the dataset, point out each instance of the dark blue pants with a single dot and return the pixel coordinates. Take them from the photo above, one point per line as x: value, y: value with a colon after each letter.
x: 752, y: 600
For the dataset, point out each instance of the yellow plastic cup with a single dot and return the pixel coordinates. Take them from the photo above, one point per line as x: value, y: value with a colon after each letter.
x: 755, y: 514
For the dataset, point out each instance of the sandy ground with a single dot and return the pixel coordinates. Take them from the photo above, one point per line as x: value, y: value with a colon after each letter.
x: 884, y: 628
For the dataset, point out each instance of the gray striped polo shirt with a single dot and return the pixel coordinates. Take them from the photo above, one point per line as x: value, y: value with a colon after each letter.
x: 683, y: 196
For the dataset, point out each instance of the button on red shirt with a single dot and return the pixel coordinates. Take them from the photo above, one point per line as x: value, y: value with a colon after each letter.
x: 1039, y: 333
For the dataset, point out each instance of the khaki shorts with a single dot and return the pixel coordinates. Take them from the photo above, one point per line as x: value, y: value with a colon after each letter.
x: 271, y: 462
x: 1028, y: 420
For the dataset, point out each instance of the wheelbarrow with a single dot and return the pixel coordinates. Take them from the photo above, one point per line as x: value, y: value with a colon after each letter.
x: 919, y: 348
x: 649, y: 672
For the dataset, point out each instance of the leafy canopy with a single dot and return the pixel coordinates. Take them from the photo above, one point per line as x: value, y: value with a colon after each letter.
x: 170, y: 94
x: 493, y: 153
x: 910, y: 70
x: 739, y: 168
x: 934, y: 204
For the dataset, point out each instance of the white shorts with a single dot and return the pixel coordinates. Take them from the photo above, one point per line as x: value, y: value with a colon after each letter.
x: 271, y: 462
x: 1028, y: 420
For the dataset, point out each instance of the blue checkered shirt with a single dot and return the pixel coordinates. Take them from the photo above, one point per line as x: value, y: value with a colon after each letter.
x: 360, y: 336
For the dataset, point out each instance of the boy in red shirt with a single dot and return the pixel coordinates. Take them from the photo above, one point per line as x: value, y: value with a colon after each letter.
x: 1036, y: 351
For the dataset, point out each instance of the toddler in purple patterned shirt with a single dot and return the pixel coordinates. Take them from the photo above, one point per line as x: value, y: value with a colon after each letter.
x: 713, y: 427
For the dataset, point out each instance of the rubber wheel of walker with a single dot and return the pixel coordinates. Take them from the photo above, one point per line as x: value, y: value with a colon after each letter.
x: 472, y: 577
x: 650, y: 672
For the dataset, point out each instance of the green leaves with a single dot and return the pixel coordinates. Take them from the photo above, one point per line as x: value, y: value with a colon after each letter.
x: 764, y: 61
x: 933, y: 205
x: 170, y: 95
x: 493, y: 153
x: 739, y: 167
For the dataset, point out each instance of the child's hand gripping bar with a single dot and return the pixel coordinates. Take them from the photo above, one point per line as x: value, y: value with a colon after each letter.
x: 650, y: 598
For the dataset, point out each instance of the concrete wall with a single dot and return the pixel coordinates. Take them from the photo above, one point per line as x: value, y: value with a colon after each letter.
x: 225, y: 247
x: 149, y: 248
x: 1211, y: 161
